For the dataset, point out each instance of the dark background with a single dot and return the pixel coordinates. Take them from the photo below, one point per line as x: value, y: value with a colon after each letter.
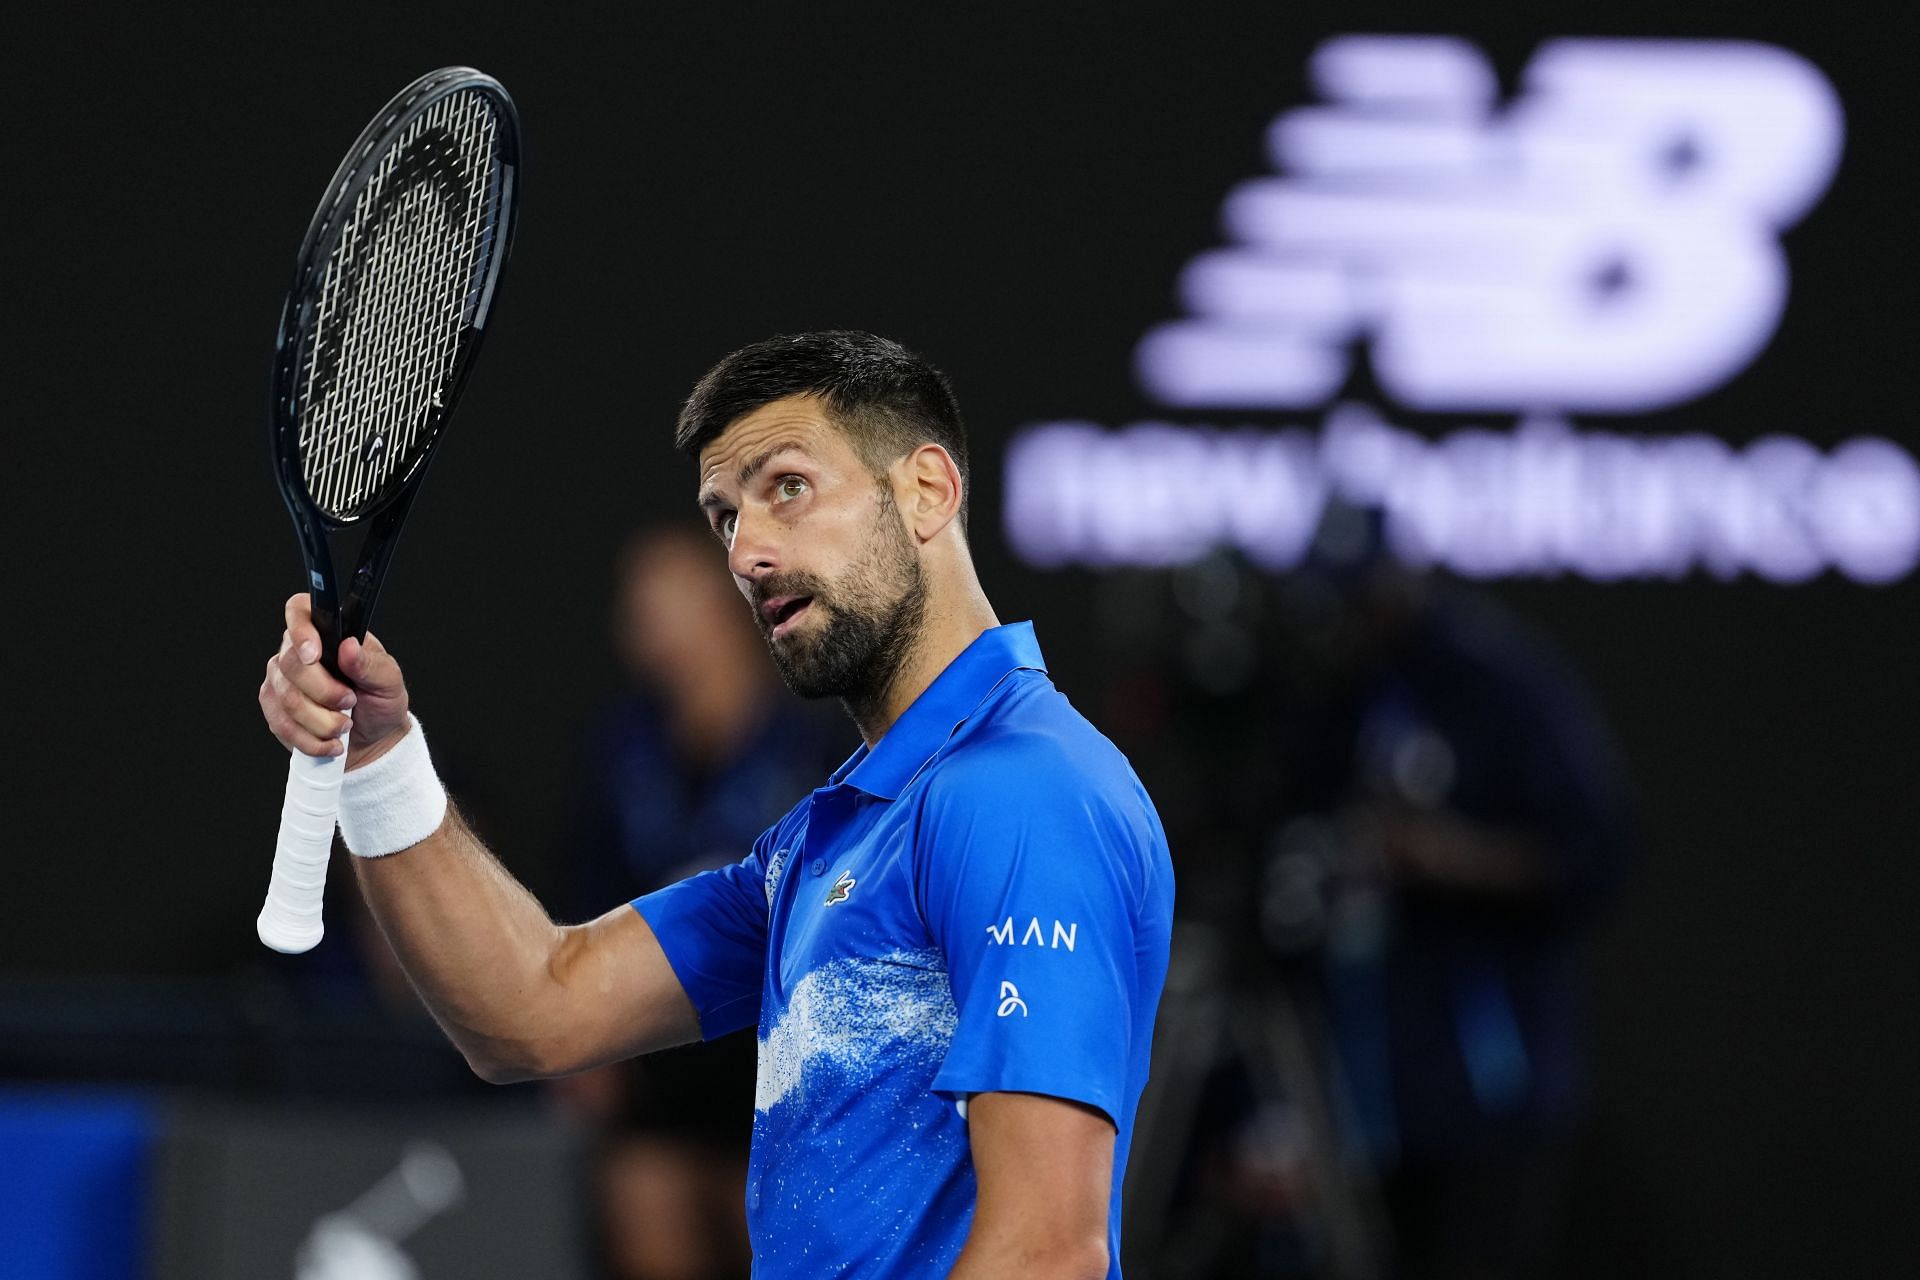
x: 1012, y: 191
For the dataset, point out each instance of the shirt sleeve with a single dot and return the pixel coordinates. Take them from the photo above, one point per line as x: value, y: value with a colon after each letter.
x: 1030, y: 882
x: 713, y: 927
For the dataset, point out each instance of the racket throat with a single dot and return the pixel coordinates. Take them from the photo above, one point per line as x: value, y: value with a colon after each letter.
x: 328, y: 620
x: 345, y: 608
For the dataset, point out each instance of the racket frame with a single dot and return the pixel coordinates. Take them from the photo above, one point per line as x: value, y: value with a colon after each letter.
x: 290, y: 919
x: 346, y: 609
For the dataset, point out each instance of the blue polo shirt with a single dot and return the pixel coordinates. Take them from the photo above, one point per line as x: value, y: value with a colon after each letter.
x: 980, y: 902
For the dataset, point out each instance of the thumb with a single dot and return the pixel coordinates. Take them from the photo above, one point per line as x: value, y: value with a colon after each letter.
x: 370, y: 667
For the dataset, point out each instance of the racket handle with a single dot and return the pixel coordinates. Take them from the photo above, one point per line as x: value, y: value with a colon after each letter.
x: 290, y: 919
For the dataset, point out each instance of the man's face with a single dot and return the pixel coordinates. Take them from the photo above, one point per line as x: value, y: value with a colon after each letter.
x: 817, y: 546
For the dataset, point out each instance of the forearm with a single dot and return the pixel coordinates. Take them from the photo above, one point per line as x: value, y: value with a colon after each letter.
x: 476, y: 945
x: 1445, y: 851
x: 519, y: 995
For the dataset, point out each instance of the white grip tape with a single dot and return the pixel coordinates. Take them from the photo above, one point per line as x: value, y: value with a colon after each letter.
x: 290, y: 919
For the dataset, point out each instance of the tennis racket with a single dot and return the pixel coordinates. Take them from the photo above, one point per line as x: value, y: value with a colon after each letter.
x: 390, y: 297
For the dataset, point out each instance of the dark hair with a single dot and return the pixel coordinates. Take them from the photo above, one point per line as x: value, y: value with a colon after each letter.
x: 887, y: 399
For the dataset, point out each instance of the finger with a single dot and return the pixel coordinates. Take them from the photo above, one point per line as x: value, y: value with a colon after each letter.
x: 294, y: 738
x: 302, y: 636
x: 293, y: 735
x: 283, y: 695
x: 370, y: 667
x: 312, y: 679
x: 317, y: 721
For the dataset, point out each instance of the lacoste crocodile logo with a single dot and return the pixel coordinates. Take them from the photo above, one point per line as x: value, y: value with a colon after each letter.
x: 841, y: 888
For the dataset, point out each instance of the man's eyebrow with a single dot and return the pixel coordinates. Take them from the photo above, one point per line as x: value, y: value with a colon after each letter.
x: 752, y: 467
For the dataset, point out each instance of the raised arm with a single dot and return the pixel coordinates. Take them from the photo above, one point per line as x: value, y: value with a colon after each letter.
x: 519, y: 996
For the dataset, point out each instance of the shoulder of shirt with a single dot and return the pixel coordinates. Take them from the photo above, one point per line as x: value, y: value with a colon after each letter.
x: 1035, y: 758
x: 1030, y: 734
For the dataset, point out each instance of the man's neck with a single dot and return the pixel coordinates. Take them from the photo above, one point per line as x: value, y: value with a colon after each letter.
x: 951, y: 625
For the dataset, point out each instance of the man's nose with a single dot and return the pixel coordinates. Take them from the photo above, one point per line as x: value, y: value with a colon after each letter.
x: 753, y: 554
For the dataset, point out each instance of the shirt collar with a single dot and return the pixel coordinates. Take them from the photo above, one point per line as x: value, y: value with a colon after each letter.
x: 924, y: 727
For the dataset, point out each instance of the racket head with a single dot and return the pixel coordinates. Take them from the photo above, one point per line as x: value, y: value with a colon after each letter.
x: 395, y: 280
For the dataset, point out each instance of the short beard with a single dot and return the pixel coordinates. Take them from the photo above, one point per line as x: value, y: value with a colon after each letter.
x: 876, y: 614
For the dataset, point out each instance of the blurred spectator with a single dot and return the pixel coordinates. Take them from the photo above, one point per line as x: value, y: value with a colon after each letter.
x: 1395, y: 811
x: 685, y: 769
x: 1465, y: 819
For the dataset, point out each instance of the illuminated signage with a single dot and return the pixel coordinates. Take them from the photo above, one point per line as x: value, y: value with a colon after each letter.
x: 1605, y: 243
x: 1539, y: 500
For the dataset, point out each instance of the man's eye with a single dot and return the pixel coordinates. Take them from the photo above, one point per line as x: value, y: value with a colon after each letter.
x: 790, y: 487
x: 724, y: 526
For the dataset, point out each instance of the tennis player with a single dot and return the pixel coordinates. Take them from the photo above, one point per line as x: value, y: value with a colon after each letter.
x: 952, y: 950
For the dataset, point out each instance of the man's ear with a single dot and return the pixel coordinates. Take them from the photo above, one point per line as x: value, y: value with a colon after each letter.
x: 928, y: 489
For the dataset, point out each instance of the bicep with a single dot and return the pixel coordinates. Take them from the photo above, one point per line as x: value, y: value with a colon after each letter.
x: 671, y: 967
x: 1045, y: 1172
x: 624, y: 996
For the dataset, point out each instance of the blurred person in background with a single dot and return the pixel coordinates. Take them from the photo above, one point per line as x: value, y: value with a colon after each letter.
x: 683, y: 769
x: 1398, y: 813
x: 1464, y: 817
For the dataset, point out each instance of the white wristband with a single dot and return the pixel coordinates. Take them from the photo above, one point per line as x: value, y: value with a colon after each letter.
x: 395, y: 802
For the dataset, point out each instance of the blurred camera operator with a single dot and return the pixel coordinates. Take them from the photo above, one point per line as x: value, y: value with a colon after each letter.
x: 1470, y: 820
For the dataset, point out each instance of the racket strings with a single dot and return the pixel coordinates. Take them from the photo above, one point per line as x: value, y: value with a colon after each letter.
x: 397, y: 294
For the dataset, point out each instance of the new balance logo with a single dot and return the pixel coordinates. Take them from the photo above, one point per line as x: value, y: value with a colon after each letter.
x: 1607, y: 241
x: 1004, y: 934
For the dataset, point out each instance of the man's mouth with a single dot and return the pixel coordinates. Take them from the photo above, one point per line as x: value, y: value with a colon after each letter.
x: 781, y: 612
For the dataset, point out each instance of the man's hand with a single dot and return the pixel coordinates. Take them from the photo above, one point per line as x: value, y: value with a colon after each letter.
x: 305, y: 706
